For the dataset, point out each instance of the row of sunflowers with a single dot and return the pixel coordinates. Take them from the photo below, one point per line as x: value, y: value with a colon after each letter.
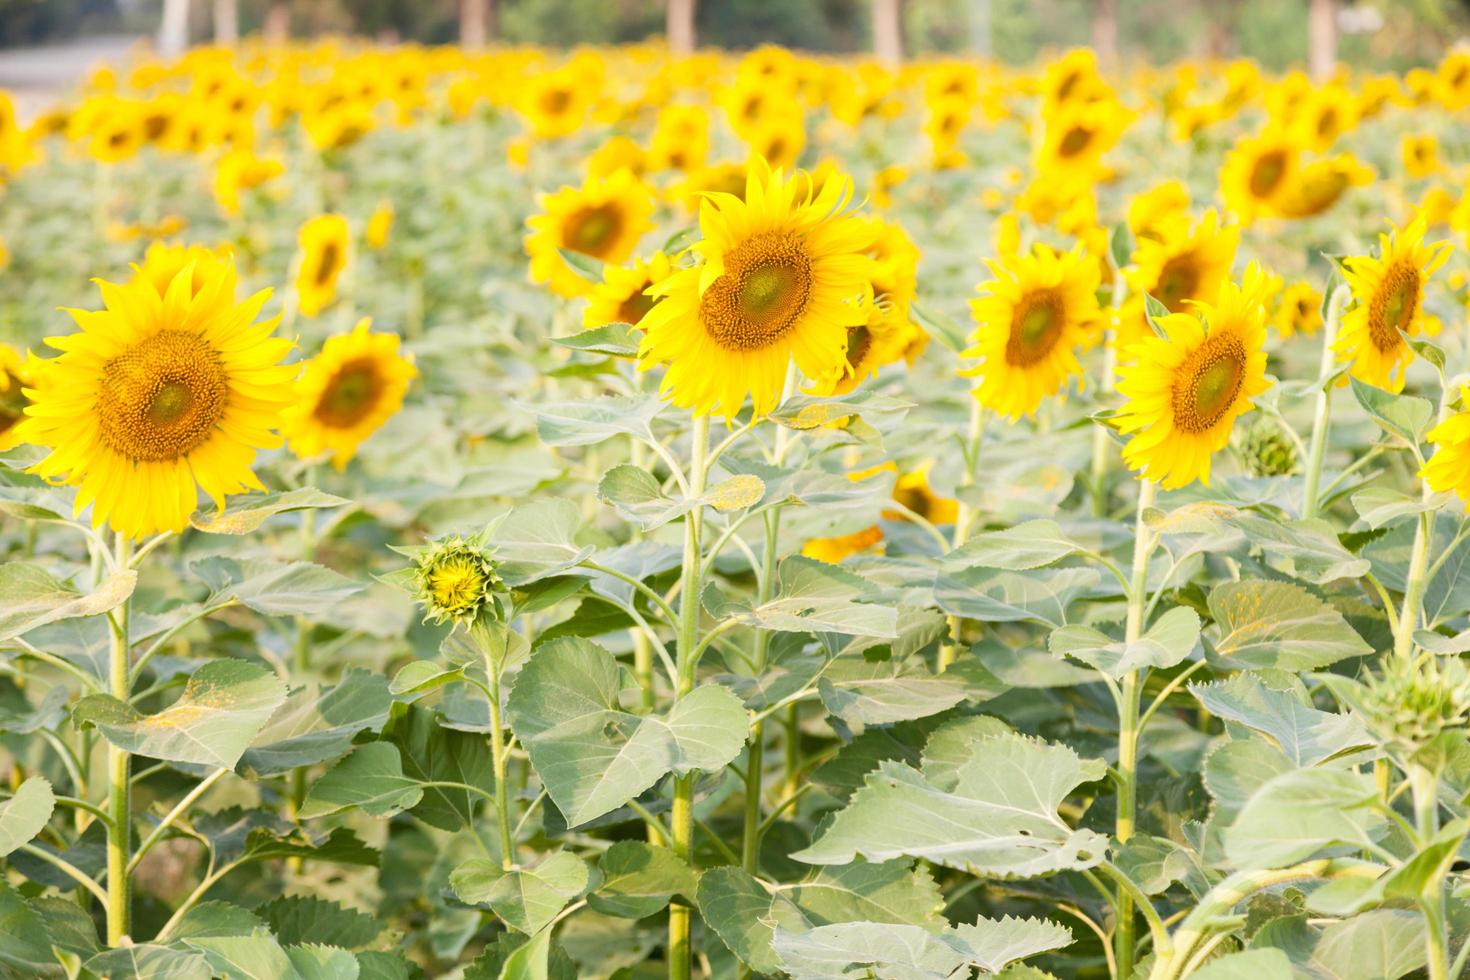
x: 690, y: 592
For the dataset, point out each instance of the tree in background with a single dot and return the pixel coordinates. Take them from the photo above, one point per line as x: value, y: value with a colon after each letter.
x: 1321, y: 38
x: 888, y: 31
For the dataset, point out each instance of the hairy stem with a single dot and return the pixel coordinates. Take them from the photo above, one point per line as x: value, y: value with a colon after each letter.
x: 1321, y: 421
x: 119, y: 774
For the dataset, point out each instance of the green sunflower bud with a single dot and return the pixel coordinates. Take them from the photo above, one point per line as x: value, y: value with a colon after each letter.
x: 457, y: 580
x: 1410, y: 704
x: 1268, y: 449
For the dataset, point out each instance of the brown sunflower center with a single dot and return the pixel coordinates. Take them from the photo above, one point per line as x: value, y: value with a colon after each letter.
x: 12, y: 402
x: 1267, y: 173
x: 859, y: 342
x: 592, y: 230
x: 1208, y: 382
x: 328, y: 264
x: 1178, y: 281
x: 1075, y: 142
x: 154, y: 126
x: 1393, y: 306
x: 764, y: 291
x: 1036, y: 326
x: 350, y: 396
x: 160, y: 399
x: 636, y: 306
x: 556, y: 101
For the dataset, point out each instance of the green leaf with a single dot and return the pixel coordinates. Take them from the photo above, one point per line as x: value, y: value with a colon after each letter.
x: 1154, y: 312
x: 313, y: 726
x: 815, y: 597
x: 890, y: 892
x: 1041, y: 596
x: 25, y: 947
x: 946, y: 330
x: 146, y: 961
x: 993, y: 815
x: 246, y: 514
x: 989, y: 945
x: 422, y: 676
x: 737, y: 907
x: 881, y: 692
x: 1017, y: 549
x: 224, y: 706
x: 1298, y: 813
x: 802, y: 412
x: 1305, y: 734
x: 30, y: 597
x: 637, y: 497
x: 594, y: 420
x: 1405, y: 416
x: 527, y: 899
x: 431, y: 753
x: 536, y: 541
x: 1262, y: 625
x: 1252, y: 964
x: 322, y: 963
x: 214, y: 919
x: 1384, y: 506
x: 1387, y: 943
x: 1305, y: 549
x: 254, y: 957
x: 614, y: 339
x: 592, y: 755
x: 307, y: 919
x: 1167, y: 642
x: 1120, y: 245
x: 275, y: 588
x: 370, y: 779
x: 25, y: 814
x: 638, y: 879
x: 587, y: 266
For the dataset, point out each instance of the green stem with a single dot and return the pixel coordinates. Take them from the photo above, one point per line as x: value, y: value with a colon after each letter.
x: 964, y: 516
x: 755, y: 763
x: 119, y: 774
x: 1321, y: 421
x: 1100, y: 437
x: 1424, y: 784
x: 681, y: 829
x: 642, y: 645
x: 1128, y: 707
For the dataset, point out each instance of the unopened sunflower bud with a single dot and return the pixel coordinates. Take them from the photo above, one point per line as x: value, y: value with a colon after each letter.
x: 1268, y: 448
x: 1410, y: 704
x: 457, y: 581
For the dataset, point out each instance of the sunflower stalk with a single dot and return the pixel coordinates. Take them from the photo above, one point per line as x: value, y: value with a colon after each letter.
x: 1322, y: 419
x: 491, y: 638
x: 1128, y: 722
x: 964, y: 516
x: 119, y: 772
x: 681, y: 829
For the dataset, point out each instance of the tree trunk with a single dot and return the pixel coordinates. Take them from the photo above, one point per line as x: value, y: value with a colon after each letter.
x: 1105, y: 32
x: 679, y: 26
x: 277, y: 25
x: 888, y: 32
x: 1224, y: 32
x: 173, y: 30
x: 1322, y: 39
x: 980, y: 44
x: 475, y: 22
x: 226, y: 22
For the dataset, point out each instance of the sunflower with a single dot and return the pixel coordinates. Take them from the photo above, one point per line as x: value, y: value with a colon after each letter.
x: 158, y: 396
x: 162, y: 263
x: 1320, y: 184
x: 1256, y: 173
x: 602, y: 219
x: 1182, y: 265
x: 379, y: 225
x: 1420, y: 153
x: 1449, y: 467
x: 1161, y: 205
x: 622, y: 296
x: 555, y: 103
x: 1185, y: 390
x: 1388, y: 290
x: 1077, y: 135
x: 779, y: 139
x: 883, y: 340
x: 241, y: 170
x: 346, y: 393
x: 324, y: 243
x: 14, y: 379
x: 1299, y: 310
x: 834, y: 550
x: 783, y: 275
x: 1033, y: 317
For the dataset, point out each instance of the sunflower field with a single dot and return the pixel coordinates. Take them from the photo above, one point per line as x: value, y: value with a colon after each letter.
x: 541, y: 514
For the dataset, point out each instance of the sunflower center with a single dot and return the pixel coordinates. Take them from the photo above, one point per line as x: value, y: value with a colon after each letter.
x: 592, y: 230
x: 160, y: 399
x: 1207, y: 384
x: 1178, y: 281
x: 350, y: 395
x: 12, y: 404
x: 764, y: 291
x: 859, y: 342
x: 327, y: 266
x: 1036, y: 326
x: 556, y: 101
x: 1075, y: 141
x: 1267, y: 173
x: 635, y: 307
x: 1393, y: 307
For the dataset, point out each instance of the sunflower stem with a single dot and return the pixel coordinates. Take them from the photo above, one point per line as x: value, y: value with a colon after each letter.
x: 1418, y: 581
x: 1105, y: 386
x: 964, y: 516
x: 681, y: 829
x: 1321, y: 422
x: 1128, y: 727
x: 119, y: 773
x: 498, y: 753
x: 642, y: 646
